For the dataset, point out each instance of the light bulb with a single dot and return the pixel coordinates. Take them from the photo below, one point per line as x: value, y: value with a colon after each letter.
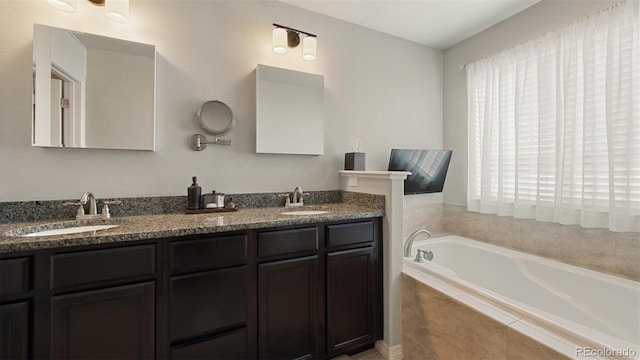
x: 117, y: 10
x: 65, y: 5
x: 309, y: 48
x: 279, y: 41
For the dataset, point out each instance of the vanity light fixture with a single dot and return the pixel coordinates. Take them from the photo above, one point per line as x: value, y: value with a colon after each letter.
x: 284, y: 37
x: 116, y: 10
x: 64, y: 5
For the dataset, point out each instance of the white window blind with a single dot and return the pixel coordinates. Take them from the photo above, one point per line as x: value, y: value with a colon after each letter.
x: 554, y: 125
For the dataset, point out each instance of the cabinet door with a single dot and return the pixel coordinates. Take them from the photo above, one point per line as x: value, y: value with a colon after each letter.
x: 288, y: 308
x: 351, y: 299
x: 207, y: 302
x: 14, y: 325
x: 114, y: 323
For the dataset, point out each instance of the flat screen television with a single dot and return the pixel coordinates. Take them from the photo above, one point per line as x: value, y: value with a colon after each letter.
x: 428, y: 169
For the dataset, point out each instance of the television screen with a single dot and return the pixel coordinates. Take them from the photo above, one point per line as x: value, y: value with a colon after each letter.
x: 428, y: 169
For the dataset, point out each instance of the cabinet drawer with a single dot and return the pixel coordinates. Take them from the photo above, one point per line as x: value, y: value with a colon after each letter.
x: 15, y: 276
x: 205, y: 302
x: 208, y: 253
x: 102, y: 265
x: 292, y: 242
x: 349, y: 234
x: 231, y: 345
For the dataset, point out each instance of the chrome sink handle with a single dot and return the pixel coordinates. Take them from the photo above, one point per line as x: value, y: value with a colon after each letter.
x: 287, y: 200
x: 105, y: 209
x: 70, y: 203
x: 80, y: 211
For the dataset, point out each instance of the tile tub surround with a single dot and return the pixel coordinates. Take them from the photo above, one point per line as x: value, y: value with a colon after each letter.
x: 142, y: 227
x: 422, y: 215
x: 19, y: 211
x: 438, y: 326
x: 596, y: 249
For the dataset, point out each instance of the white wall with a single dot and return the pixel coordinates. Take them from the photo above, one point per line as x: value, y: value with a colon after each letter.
x: 543, y: 17
x: 383, y: 89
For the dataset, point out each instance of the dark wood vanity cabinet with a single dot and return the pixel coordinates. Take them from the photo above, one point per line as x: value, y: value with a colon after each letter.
x: 319, y: 290
x: 103, y: 303
x: 288, y: 293
x: 208, y: 302
x: 15, y: 307
x: 311, y: 291
x: 353, y: 287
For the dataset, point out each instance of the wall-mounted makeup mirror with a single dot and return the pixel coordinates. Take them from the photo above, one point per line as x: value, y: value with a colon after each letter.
x: 215, y: 118
x: 289, y: 112
x: 92, y: 91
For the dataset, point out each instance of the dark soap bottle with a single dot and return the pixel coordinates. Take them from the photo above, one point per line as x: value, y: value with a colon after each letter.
x: 193, y: 193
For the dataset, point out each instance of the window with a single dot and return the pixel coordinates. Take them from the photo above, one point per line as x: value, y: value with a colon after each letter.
x: 554, y: 125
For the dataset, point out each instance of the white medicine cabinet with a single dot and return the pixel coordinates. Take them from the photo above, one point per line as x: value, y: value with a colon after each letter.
x: 289, y: 112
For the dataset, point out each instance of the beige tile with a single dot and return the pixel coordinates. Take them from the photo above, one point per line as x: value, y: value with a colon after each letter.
x: 436, y: 326
x: 435, y: 218
x: 628, y: 255
x: 504, y: 231
x: 445, y: 328
x: 414, y: 336
x: 521, y: 347
x: 541, y: 238
x: 453, y: 218
x: 589, y: 248
x: 541, y: 335
x: 472, y: 225
x: 423, y: 216
x: 596, y: 249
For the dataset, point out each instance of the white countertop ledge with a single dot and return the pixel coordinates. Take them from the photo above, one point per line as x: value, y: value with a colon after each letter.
x: 392, y: 175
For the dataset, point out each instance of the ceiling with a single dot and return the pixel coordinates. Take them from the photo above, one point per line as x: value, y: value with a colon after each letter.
x: 436, y: 23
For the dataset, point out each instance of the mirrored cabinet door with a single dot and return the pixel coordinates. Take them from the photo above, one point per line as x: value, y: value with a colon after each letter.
x: 92, y: 91
x: 289, y: 112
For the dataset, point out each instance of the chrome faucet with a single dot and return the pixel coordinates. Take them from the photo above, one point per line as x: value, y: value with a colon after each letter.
x: 408, y: 244
x: 93, y: 211
x: 295, y: 199
x: 92, y: 203
x: 296, y: 196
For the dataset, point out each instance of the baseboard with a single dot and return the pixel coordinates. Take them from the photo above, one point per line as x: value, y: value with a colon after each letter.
x: 389, y: 353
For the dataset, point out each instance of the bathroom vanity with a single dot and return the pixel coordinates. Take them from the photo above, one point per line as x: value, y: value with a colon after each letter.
x: 253, y: 284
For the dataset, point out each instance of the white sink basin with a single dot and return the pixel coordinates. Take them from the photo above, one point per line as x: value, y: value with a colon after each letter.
x: 305, y: 212
x: 71, y: 230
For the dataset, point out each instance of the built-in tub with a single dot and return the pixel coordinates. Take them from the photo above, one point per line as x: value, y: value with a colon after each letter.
x: 587, y: 308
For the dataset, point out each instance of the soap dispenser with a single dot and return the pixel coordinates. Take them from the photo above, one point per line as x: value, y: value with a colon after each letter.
x: 193, y: 193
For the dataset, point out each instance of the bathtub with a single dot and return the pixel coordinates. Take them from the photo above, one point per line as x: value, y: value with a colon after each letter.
x: 579, y: 306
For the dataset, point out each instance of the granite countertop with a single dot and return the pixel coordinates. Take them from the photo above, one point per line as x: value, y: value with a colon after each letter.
x: 143, y: 227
